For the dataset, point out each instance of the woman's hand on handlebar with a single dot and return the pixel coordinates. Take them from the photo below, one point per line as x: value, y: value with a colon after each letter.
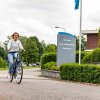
x: 23, y: 50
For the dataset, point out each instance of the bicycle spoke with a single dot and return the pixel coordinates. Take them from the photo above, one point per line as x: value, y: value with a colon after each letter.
x: 19, y: 74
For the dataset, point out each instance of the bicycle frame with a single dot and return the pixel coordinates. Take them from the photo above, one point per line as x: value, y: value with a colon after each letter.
x: 17, y: 70
x: 15, y: 66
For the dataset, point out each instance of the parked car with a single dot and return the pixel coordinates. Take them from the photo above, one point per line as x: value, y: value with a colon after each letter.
x: 23, y: 64
x: 30, y: 64
x: 38, y: 63
x: 34, y: 64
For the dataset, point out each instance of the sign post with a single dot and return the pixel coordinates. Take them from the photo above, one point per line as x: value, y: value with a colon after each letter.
x: 66, y: 48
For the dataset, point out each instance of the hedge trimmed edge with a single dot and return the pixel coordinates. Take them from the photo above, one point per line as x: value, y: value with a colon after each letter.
x: 80, y: 73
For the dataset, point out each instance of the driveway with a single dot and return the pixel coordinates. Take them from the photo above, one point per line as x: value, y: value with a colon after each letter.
x: 34, y: 87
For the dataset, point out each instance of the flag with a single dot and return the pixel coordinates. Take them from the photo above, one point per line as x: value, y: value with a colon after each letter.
x: 76, y: 4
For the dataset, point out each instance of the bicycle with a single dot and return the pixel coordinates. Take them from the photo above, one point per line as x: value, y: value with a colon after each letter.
x: 17, y: 71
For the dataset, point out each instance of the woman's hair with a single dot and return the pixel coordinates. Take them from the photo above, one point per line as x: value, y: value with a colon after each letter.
x: 14, y: 34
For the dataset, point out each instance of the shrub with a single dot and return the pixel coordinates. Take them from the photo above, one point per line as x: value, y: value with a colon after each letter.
x: 51, y: 57
x: 2, y: 63
x: 80, y: 73
x: 51, y: 66
x: 95, y: 55
x: 92, y: 57
x: 87, y: 58
x: 83, y: 53
x: 48, y: 57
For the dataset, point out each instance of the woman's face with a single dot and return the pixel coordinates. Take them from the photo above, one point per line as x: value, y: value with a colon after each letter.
x: 15, y: 37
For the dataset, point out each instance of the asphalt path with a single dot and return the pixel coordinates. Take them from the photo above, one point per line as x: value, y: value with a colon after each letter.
x: 35, y: 87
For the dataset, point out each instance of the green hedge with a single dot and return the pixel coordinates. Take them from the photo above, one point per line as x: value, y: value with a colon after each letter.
x: 51, y: 66
x: 3, y: 63
x: 80, y: 73
x: 95, y: 57
x: 92, y: 57
x: 51, y: 57
x: 87, y: 58
x: 83, y: 53
x: 48, y: 57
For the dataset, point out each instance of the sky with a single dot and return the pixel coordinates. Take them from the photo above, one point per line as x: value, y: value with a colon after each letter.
x: 39, y: 18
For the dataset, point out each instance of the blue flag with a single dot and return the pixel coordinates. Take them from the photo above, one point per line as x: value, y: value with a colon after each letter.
x: 76, y: 4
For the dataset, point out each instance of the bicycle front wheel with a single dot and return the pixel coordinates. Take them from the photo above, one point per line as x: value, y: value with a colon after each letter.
x: 10, y: 78
x: 19, y: 73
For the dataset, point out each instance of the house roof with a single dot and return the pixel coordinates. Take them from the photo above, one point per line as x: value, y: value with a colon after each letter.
x: 89, y: 31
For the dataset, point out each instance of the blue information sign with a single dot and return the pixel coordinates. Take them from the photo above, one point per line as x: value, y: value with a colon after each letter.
x: 66, y: 48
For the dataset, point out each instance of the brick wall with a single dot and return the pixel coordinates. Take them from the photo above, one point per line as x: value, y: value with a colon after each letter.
x: 92, y: 41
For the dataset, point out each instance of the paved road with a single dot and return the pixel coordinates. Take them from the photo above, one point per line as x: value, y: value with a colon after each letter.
x: 34, y: 87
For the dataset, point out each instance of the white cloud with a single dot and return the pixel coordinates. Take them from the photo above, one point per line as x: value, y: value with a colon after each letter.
x: 39, y: 17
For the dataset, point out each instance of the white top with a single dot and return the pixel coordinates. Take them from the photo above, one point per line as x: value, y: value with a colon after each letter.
x: 14, y: 46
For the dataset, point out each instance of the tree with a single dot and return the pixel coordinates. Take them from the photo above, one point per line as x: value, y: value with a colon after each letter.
x: 43, y: 46
x: 51, y: 48
x: 3, y: 53
x: 38, y: 44
x: 31, y: 55
x: 23, y: 40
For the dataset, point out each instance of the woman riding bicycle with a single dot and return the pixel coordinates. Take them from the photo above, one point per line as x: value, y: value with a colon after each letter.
x: 14, y: 45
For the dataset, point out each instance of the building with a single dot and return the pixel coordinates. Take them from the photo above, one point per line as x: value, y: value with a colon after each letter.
x: 92, y: 39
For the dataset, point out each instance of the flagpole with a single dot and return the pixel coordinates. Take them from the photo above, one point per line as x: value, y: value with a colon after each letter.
x: 80, y: 31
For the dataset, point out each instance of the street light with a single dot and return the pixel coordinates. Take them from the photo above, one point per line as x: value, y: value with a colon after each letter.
x: 61, y: 27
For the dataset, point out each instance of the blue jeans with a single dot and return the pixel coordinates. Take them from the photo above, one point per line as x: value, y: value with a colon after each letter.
x: 11, y: 57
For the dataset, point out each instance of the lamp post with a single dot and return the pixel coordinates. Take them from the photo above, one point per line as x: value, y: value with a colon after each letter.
x: 61, y: 28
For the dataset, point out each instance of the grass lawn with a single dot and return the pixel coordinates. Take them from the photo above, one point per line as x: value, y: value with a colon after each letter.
x: 25, y: 67
x: 1, y: 69
x: 30, y: 67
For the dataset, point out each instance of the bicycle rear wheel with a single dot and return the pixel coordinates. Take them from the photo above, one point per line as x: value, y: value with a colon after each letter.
x: 19, y: 73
